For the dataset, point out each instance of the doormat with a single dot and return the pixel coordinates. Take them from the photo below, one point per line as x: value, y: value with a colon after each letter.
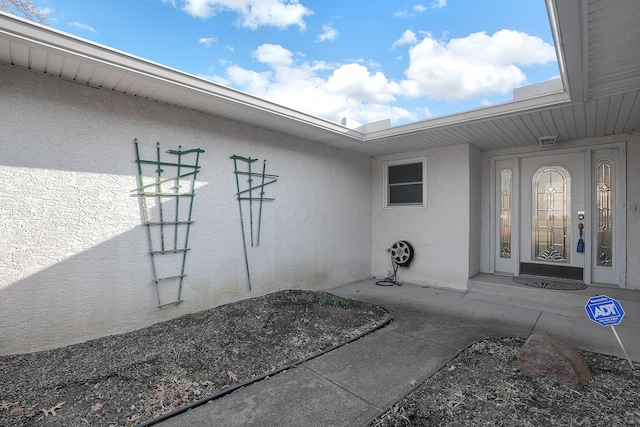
x: 550, y: 283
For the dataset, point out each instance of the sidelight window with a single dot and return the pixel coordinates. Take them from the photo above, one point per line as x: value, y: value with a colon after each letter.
x: 604, y: 214
x: 506, y: 184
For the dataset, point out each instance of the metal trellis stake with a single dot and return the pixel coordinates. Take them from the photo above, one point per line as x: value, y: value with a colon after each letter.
x: 264, y: 167
x: 244, y: 239
x: 250, y: 174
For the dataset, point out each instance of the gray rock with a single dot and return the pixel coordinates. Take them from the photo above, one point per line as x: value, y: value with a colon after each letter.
x: 544, y: 356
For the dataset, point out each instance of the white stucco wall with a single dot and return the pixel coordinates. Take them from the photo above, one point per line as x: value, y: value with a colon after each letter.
x: 475, y: 209
x: 632, y: 143
x: 75, y: 261
x: 633, y: 212
x: 439, y: 232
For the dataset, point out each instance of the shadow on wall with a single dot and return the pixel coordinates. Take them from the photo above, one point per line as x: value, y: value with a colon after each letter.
x: 104, y: 290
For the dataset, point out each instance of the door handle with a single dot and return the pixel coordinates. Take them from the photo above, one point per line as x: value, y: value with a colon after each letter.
x: 580, y: 248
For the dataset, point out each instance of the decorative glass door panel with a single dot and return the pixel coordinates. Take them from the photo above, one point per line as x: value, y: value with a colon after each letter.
x: 604, y: 213
x: 505, y: 225
x: 551, y: 207
x: 607, y: 192
x: 506, y: 184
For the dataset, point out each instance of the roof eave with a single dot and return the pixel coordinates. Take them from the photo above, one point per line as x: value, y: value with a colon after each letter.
x: 52, y: 40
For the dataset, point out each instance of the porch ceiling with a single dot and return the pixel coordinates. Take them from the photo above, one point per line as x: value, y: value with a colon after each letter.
x: 598, y: 42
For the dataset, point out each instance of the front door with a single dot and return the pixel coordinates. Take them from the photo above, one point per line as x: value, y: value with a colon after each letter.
x: 562, y: 215
x: 552, y: 209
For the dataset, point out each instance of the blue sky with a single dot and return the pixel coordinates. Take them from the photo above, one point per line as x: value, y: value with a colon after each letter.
x: 367, y: 60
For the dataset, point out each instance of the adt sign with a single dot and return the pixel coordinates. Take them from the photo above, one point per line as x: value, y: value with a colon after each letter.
x: 604, y: 310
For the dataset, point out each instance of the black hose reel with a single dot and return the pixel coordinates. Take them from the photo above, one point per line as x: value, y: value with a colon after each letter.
x: 401, y: 256
x: 401, y: 253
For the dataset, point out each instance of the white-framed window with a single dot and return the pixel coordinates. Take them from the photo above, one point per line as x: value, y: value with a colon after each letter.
x: 405, y: 182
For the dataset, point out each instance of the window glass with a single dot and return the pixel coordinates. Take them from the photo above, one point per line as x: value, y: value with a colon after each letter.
x: 401, y: 174
x: 506, y: 182
x: 405, y: 184
x: 550, y: 213
x: 604, y: 220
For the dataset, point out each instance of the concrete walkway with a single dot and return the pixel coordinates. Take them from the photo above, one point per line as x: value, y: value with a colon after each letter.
x: 355, y: 383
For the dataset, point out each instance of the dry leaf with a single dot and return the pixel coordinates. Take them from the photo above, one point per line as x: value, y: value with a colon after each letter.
x: 16, y: 410
x: 413, y: 382
x: 206, y: 383
x: 1, y: 365
x: 133, y: 418
x: 52, y: 410
x: 232, y: 376
x: 5, y: 405
x: 451, y: 368
x: 235, y: 350
x: 96, y: 406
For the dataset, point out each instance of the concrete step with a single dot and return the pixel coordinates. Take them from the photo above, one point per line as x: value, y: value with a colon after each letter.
x: 503, y: 290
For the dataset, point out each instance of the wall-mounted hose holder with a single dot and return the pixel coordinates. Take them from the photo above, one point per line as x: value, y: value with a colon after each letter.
x: 401, y: 256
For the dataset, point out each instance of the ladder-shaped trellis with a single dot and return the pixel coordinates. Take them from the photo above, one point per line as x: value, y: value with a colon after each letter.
x: 249, y: 195
x: 162, y: 186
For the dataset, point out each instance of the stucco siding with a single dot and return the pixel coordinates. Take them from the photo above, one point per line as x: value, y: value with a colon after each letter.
x: 475, y: 210
x: 633, y: 212
x: 438, y: 232
x: 75, y: 262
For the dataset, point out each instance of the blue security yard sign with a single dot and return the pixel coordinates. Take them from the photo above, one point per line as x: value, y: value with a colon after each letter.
x: 604, y: 310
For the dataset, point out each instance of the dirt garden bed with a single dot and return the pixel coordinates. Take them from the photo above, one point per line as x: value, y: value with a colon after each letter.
x: 483, y: 387
x: 127, y: 379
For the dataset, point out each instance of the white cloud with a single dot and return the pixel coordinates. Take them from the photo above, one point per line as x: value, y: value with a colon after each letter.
x: 476, y: 65
x: 207, y: 41
x: 251, y: 81
x: 252, y: 13
x: 328, y: 33
x: 472, y: 67
x: 83, y: 27
x: 401, y: 14
x: 318, y: 88
x: 408, y: 37
x: 356, y: 82
x: 273, y: 55
x: 419, y: 8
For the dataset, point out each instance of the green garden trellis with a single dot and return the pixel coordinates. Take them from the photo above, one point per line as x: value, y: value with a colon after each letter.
x: 168, y: 226
x: 247, y: 194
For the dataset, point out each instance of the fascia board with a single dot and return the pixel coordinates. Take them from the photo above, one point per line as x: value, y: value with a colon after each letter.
x: 54, y: 41
x: 506, y: 109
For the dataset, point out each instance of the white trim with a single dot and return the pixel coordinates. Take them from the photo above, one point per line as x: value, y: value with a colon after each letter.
x: 622, y: 183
